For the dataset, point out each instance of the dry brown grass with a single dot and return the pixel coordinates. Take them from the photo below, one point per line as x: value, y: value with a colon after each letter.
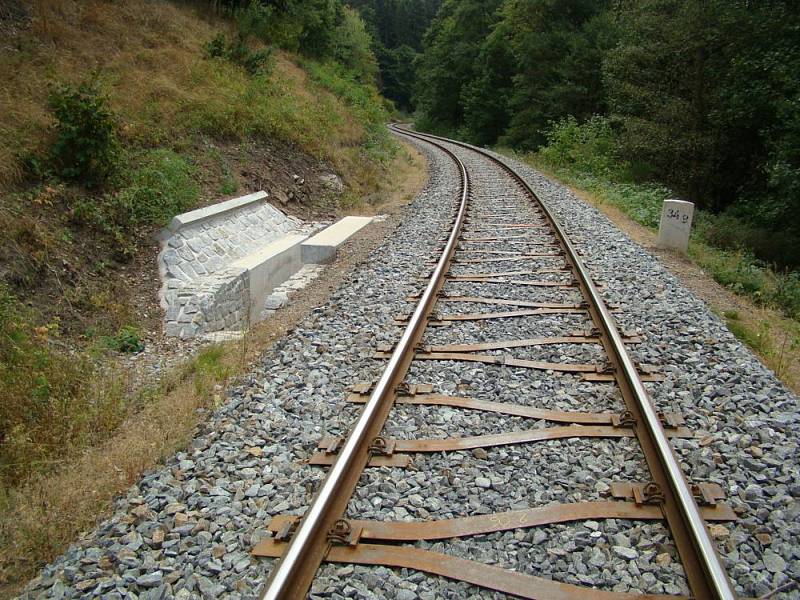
x: 149, y: 58
x: 67, y: 40
x: 40, y: 518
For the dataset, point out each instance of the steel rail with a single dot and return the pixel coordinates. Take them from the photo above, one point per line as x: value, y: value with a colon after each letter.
x: 705, y: 573
x: 293, y: 574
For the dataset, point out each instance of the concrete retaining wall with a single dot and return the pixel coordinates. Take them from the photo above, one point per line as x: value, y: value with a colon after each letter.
x: 267, y: 269
x: 207, y: 240
x: 221, y: 264
x: 209, y: 264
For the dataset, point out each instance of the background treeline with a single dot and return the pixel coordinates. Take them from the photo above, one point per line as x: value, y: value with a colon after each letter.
x: 701, y: 96
x: 397, y: 27
x: 319, y: 29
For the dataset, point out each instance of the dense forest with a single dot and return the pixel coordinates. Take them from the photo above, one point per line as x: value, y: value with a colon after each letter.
x: 702, y: 97
x: 397, y: 27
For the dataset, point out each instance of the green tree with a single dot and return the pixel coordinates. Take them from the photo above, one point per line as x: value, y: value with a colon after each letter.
x: 397, y: 27
x: 352, y: 47
x: 397, y: 74
x: 305, y: 26
x: 486, y: 98
x: 86, y: 148
x: 661, y: 83
x: 558, y: 47
x: 450, y: 60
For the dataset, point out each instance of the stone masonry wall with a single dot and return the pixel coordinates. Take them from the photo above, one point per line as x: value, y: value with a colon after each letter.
x: 198, y: 250
x: 201, y: 292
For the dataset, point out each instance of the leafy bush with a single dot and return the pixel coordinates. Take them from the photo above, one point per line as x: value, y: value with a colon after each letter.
x: 160, y: 186
x: 252, y: 22
x: 731, y: 231
x: 86, y: 147
x: 238, y: 51
x: 787, y: 294
x: 589, y: 147
x: 217, y: 47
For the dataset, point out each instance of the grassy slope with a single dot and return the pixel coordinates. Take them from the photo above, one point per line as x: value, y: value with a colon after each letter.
x: 173, y: 102
x: 150, y: 57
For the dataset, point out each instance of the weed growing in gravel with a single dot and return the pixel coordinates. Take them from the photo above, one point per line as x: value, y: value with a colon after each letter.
x: 209, y: 367
x: 128, y: 339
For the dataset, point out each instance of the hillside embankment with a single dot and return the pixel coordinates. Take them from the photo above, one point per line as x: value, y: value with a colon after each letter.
x: 113, y: 118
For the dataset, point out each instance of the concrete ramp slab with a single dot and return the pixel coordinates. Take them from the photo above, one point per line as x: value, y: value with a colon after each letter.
x: 321, y: 248
x: 268, y: 268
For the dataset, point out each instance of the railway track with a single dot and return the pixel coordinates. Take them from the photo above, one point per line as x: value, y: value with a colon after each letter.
x: 507, y: 292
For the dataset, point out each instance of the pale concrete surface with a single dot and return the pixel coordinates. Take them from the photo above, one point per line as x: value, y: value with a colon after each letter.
x: 268, y: 268
x: 214, y: 210
x: 676, y: 225
x: 204, y: 289
x: 321, y: 248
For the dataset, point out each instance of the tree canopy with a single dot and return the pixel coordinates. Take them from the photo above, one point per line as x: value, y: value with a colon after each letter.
x: 701, y: 96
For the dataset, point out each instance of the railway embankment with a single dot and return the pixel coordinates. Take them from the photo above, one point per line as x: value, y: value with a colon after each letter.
x: 508, y: 409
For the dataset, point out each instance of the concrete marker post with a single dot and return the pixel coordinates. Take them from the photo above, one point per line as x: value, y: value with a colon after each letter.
x: 675, y: 225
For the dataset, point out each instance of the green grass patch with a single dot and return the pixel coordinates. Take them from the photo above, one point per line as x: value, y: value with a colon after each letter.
x: 758, y: 340
x: 363, y: 99
x: 160, y: 184
x: 128, y: 340
x: 209, y: 368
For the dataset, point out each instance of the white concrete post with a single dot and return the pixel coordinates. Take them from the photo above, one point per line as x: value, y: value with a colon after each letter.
x: 676, y: 224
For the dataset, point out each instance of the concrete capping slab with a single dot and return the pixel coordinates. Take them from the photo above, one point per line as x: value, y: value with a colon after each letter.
x: 268, y: 268
x: 201, y: 214
x: 321, y: 248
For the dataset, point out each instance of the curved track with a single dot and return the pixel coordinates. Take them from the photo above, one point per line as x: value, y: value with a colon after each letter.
x: 519, y: 285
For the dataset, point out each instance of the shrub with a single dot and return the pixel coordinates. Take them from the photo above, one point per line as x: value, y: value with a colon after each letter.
x: 787, y: 294
x: 86, y: 147
x: 160, y: 186
x: 589, y: 147
x: 238, y: 51
x: 217, y: 46
x: 128, y: 340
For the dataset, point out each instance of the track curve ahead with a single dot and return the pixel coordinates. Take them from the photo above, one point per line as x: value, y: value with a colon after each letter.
x: 490, y: 253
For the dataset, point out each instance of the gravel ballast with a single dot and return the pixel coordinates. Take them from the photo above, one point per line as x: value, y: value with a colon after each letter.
x: 186, y: 529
